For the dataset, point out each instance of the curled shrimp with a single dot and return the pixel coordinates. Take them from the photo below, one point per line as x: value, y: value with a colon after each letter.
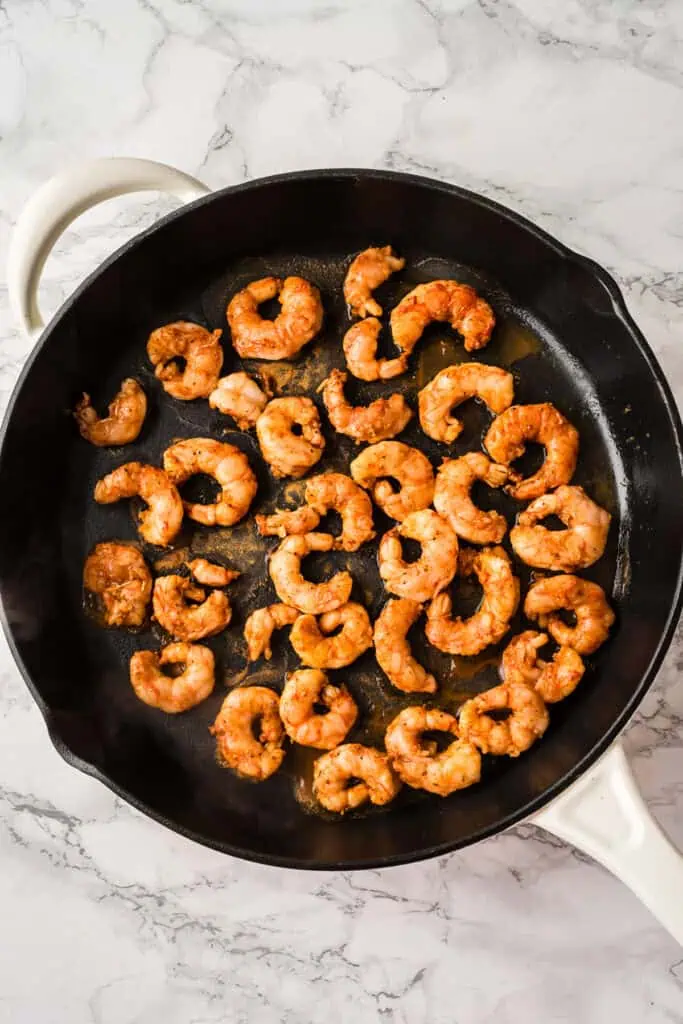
x: 393, y: 460
x: 297, y: 323
x: 310, y: 639
x: 249, y: 732
x: 577, y: 547
x: 351, y: 775
x: 127, y: 412
x: 585, y: 599
x: 201, y: 351
x: 118, y: 574
x: 211, y: 575
x: 491, y: 621
x: 303, y: 690
x: 510, y: 432
x: 448, y: 301
x: 368, y: 271
x: 287, y: 453
x: 454, y: 385
x: 383, y: 418
x: 453, y: 501
x: 434, y: 569
x: 339, y: 492
x: 260, y: 626
x: 187, y: 621
x: 293, y: 589
x: 527, y: 720
x: 553, y: 680
x: 360, y: 349
x: 161, y: 521
x: 417, y: 761
x: 173, y: 694
x: 392, y: 649
x: 238, y: 395
x: 227, y: 465
x: 286, y: 522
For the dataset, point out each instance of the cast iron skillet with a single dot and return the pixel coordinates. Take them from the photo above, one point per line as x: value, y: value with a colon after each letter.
x: 563, y: 330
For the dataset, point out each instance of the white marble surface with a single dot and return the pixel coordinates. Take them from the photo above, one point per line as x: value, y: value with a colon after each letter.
x: 569, y: 112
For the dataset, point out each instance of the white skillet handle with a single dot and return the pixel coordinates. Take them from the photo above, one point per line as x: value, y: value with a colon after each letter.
x: 604, y: 815
x: 63, y: 198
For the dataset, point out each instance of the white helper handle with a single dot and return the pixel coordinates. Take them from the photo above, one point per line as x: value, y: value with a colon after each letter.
x: 63, y: 198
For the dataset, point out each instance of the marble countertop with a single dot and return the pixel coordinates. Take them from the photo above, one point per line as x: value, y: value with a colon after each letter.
x: 569, y: 113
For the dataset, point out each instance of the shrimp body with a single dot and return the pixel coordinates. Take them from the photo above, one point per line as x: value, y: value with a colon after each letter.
x: 351, y: 775
x: 528, y: 719
x: 585, y: 599
x: 127, y: 412
x: 238, y: 395
x: 227, y: 465
x: 408, y: 466
x: 553, y: 680
x: 157, y: 524
x: 118, y: 574
x: 368, y: 271
x: 286, y: 522
x: 293, y: 589
x: 577, y: 547
x: 287, y: 453
x: 453, y: 501
x: 434, y: 570
x: 339, y: 492
x: 310, y: 640
x: 454, y: 385
x: 360, y: 349
x: 383, y: 418
x: 416, y: 760
x: 249, y: 732
x: 185, y: 621
x: 509, y: 433
x: 173, y: 694
x: 211, y: 575
x: 302, y: 691
x: 201, y: 351
x: 448, y: 301
x: 260, y: 626
x: 297, y: 323
x: 392, y: 649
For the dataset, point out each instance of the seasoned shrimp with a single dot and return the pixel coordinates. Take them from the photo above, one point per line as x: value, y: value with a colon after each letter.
x: 383, y: 418
x: 288, y: 453
x: 310, y: 639
x: 457, y: 303
x: 577, y: 547
x: 453, y: 501
x: 290, y: 585
x: 211, y: 575
x: 368, y: 271
x: 491, y: 621
x: 407, y: 466
x: 553, y: 680
x: 416, y: 760
x: 508, y: 434
x: 187, y: 621
x: 260, y: 626
x: 227, y: 465
x: 527, y: 720
x: 392, y: 649
x: 287, y: 522
x: 238, y: 395
x: 299, y: 320
x: 337, y: 491
x: 199, y: 348
x: 434, y: 569
x: 249, y: 732
x: 454, y: 385
x: 303, y: 690
x: 118, y: 574
x: 585, y: 599
x: 127, y: 412
x: 157, y: 524
x: 173, y: 694
x: 360, y: 349
x: 352, y: 774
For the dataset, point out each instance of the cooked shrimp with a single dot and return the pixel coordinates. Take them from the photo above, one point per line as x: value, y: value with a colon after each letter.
x: 508, y: 434
x: 227, y: 465
x: 368, y: 271
x: 491, y: 621
x: 173, y: 694
x: 260, y: 626
x: 157, y: 524
x: 339, y: 492
x: 351, y: 775
x: 127, y: 412
x: 310, y: 639
x: 287, y: 453
x: 303, y: 690
x: 199, y: 348
x: 360, y: 349
x: 383, y: 418
x: 249, y: 732
x: 585, y: 599
x: 434, y: 569
x: 457, y: 303
x: 416, y: 760
x: 527, y: 720
x: 299, y: 320
x: 287, y: 522
x: 453, y: 501
x: 577, y: 547
x: 238, y: 395
x: 211, y: 575
x: 118, y: 574
x: 553, y: 680
x: 392, y: 649
x: 454, y: 385
x: 290, y: 585
x: 407, y: 466
x: 173, y: 611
